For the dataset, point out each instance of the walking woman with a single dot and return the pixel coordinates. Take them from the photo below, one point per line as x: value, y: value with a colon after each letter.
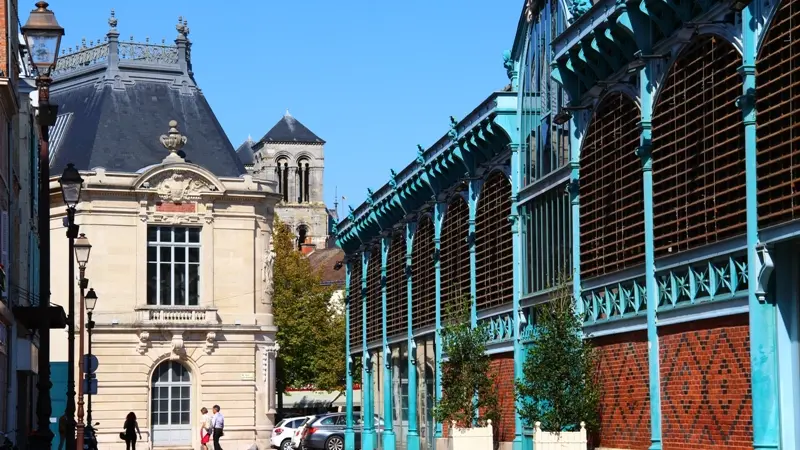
x: 131, y: 430
x: 205, y: 428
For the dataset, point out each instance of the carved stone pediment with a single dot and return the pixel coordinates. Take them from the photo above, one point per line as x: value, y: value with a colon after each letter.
x: 178, y: 186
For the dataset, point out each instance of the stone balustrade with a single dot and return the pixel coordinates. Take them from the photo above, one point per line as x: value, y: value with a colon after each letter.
x: 176, y: 315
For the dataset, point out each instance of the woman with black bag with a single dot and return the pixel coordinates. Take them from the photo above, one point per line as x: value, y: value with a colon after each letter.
x: 131, y: 430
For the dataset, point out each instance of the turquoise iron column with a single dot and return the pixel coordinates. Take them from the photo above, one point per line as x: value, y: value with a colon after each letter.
x: 438, y: 220
x: 575, y: 139
x: 413, y: 435
x: 473, y: 193
x: 367, y: 408
x: 651, y: 288
x: 763, y: 334
x: 516, y: 243
x: 349, y: 434
x: 388, y: 429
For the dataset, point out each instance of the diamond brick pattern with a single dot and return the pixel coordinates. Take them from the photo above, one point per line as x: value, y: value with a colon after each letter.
x: 624, y: 391
x: 503, y: 370
x: 705, y: 385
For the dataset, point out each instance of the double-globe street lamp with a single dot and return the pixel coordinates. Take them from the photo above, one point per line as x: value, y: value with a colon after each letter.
x: 82, y: 250
x: 71, y: 185
x: 43, y: 37
x: 91, y: 302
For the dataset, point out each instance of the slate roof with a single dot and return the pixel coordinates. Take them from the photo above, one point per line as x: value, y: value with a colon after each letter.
x: 119, y: 129
x: 245, y: 152
x: 289, y: 129
x: 324, y: 260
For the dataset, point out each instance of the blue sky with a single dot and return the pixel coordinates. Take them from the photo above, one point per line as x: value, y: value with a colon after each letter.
x: 372, y: 78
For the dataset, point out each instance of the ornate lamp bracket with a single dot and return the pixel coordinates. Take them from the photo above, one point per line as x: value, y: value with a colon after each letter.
x: 764, y: 270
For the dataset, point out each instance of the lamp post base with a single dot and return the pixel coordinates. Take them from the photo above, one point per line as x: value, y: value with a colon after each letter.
x: 41, y: 440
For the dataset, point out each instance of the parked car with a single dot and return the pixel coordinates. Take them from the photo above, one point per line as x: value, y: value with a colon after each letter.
x: 284, y: 431
x: 297, y: 443
x: 326, y: 432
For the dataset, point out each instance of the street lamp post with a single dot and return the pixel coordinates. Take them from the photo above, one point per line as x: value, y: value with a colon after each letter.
x: 91, y: 302
x: 43, y: 37
x: 82, y: 250
x: 71, y: 184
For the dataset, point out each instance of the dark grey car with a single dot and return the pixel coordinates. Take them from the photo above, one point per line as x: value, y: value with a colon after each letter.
x: 327, y: 432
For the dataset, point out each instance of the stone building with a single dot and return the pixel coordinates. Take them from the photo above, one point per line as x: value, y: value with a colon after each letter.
x: 181, y: 258
x: 293, y: 156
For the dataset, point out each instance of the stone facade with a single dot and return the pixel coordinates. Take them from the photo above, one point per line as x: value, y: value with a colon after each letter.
x: 215, y: 328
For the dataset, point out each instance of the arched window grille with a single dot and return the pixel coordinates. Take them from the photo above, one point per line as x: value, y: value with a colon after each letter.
x: 423, y: 276
x: 303, y: 184
x: 778, y: 124
x: 493, y: 241
x: 355, y: 302
x: 455, y: 253
x: 282, y: 175
x: 611, y: 189
x: 396, y: 287
x: 698, y: 149
x: 374, y: 296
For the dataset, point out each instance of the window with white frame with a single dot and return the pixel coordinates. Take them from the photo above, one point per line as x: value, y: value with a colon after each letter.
x: 173, y: 266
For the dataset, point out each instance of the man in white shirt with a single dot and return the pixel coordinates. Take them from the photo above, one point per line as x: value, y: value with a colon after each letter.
x: 218, y: 424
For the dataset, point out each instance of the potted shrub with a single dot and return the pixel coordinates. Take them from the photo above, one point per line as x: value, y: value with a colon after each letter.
x: 557, y: 395
x: 469, y: 401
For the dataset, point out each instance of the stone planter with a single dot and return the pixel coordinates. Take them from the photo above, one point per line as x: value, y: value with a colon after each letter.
x: 477, y: 438
x: 565, y: 440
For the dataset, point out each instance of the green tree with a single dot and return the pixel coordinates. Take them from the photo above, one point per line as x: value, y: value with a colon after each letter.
x: 468, y: 385
x: 558, y: 385
x: 310, y: 335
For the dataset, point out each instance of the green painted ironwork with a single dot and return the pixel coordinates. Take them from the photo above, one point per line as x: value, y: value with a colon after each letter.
x: 714, y: 281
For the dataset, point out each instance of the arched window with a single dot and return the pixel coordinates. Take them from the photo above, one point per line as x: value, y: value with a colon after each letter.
x: 354, y: 302
x: 423, y: 276
x: 698, y: 149
x: 282, y: 176
x: 374, y: 296
x: 396, y: 287
x: 611, y: 189
x: 171, y: 405
x: 778, y: 154
x: 302, y: 235
x: 493, y: 243
x: 303, y: 184
x: 455, y: 254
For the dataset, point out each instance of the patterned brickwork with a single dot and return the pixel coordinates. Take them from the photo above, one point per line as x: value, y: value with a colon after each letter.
x: 503, y: 371
x: 624, y: 391
x: 705, y: 385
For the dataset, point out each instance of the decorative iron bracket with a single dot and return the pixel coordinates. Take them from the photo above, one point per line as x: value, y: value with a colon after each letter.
x: 764, y: 270
x: 522, y: 321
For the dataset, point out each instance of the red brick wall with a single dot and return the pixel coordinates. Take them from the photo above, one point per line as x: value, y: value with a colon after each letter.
x: 503, y: 371
x: 705, y: 385
x: 624, y: 391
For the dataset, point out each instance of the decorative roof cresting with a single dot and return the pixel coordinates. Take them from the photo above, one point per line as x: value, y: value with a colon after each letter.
x: 174, y: 142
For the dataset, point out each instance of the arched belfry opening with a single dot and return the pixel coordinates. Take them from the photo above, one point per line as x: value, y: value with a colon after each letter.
x: 302, y: 235
x: 171, y: 405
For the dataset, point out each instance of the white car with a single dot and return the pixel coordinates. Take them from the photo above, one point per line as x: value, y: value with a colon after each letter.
x: 298, y: 433
x: 284, y: 431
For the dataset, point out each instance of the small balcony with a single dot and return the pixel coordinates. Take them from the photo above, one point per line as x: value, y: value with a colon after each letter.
x: 176, y: 316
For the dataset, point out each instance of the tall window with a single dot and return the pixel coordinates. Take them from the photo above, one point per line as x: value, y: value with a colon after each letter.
x: 303, y: 172
x: 173, y: 266
x: 282, y: 171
